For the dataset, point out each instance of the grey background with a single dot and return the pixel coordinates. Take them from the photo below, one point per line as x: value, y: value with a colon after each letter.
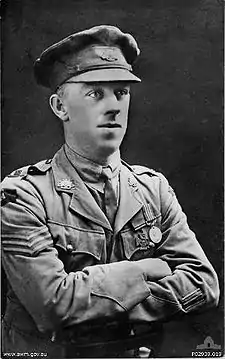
x: 175, y: 116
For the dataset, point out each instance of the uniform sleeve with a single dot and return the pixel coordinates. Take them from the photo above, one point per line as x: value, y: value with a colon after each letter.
x: 193, y: 284
x: 37, y: 276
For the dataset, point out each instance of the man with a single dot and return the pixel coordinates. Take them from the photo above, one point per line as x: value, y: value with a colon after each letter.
x: 95, y: 250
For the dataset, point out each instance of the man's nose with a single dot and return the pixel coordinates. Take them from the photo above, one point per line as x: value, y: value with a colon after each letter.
x: 112, y: 113
x: 111, y: 105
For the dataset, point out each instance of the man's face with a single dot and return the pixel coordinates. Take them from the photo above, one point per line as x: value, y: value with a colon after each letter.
x: 97, y: 116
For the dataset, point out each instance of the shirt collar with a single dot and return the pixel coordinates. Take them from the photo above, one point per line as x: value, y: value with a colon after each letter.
x: 91, y: 171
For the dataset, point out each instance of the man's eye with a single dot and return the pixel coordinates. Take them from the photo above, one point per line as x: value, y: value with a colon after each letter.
x: 122, y: 92
x: 97, y: 94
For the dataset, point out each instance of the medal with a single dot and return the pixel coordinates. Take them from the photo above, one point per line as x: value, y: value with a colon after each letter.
x: 155, y: 234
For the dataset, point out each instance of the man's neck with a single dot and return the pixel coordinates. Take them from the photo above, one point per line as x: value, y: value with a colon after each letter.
x: 103, y: 161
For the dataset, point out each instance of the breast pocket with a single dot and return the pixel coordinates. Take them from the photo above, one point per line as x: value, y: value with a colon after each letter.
x: 78, y: 247
x: 140, y: 239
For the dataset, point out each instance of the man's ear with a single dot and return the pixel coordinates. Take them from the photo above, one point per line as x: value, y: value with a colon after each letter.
x: 58, y: 107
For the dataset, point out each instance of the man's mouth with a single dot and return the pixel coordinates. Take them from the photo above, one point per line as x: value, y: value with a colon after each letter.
x: 110, y: 125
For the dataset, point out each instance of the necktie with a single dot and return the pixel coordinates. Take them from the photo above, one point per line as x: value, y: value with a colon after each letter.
x: 110, y: 200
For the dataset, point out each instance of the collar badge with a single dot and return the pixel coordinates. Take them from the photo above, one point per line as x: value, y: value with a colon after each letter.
x: 65, y: 184
x: 132, y: 183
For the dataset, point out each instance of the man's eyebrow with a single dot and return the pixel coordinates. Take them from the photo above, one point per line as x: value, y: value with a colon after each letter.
x: 97, y: 85
x: 90, y: 85
x: 103, y: 83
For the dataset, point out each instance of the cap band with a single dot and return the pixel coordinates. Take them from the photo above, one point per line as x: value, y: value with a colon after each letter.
x: 91, y: 58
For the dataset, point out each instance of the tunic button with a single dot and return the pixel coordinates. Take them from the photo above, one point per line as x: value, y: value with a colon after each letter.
x: 69, y: 248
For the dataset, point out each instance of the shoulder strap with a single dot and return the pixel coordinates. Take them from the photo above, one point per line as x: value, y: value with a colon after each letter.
x: 140, y: 170
x: 38, y: 168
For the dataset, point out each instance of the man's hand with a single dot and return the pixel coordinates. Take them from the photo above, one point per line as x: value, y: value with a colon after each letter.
x: 154, y: 268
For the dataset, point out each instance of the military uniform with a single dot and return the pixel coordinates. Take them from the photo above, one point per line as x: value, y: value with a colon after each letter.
x: 85, y: 281
x: 62, y: 276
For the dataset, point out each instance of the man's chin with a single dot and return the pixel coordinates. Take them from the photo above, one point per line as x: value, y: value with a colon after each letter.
x: 108, y: 150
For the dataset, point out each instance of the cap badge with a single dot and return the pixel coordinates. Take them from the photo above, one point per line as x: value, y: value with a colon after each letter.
x: 65, y: 184
x: 108, y: 56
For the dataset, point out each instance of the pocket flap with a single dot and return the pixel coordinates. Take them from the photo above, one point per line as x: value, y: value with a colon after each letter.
x: 137, y: 245
x: 78, y: 240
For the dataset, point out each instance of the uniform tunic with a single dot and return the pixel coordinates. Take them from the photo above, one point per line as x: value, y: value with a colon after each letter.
x: 67, y: 284
x: 92, y: 174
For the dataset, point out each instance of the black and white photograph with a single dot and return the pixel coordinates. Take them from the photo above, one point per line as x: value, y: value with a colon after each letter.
x: 112, y: 170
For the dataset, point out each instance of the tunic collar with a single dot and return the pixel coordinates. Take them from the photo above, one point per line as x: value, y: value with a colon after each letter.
x: 91, y: 171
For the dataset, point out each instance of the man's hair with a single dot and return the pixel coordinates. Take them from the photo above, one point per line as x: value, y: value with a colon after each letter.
x: 60, y: 91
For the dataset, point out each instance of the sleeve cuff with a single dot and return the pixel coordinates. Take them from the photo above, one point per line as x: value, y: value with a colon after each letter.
x: 122, y: 282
